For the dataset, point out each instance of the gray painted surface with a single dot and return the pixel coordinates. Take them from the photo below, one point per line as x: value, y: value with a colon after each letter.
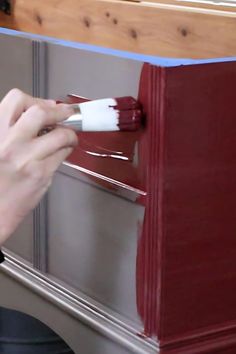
x: 16, y: 71
x: 81, y: 338
x: 21, y: 242
x: 93, y: 241
x: 91, y: 75
x: 92, y: 233
x: 85, y: 328
x: 15, y: 64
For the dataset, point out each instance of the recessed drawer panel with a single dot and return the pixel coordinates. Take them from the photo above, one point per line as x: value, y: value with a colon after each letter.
x: 93, y: 237
x: 95, y: 204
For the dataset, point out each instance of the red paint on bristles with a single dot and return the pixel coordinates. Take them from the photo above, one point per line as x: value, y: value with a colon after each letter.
x: 130, y: 113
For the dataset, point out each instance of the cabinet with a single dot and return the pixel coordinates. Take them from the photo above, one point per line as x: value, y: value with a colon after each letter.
x: 134, y: 250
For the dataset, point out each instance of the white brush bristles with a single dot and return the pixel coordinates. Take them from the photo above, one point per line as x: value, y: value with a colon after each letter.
x: 99, y: 115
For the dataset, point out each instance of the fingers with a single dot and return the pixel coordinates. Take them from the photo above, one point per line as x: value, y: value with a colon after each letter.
x: 38, y: 117
x: 53, y: 162
x: 46, y: 145
x: 16, y: 102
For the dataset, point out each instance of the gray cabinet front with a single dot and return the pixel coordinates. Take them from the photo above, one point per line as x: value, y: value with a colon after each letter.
x: 81, y: 242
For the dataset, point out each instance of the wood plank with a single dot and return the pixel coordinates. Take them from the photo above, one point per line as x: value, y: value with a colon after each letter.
x: 190, y: 3
x: 164, y: 29
x: 205, y: 4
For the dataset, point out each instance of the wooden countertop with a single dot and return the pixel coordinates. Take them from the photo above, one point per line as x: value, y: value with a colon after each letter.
x: 172, y: 28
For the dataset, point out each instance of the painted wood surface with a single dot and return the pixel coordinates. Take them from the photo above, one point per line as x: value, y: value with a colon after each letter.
x: 186, y: 251
x: 186, y: 266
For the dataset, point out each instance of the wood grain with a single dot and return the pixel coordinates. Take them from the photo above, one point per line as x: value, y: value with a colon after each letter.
x: 216, y: 5
x: 164, y: 29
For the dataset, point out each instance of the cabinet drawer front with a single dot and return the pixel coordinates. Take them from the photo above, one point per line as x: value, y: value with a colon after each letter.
x: 94, y: 213
x: 93, y: 237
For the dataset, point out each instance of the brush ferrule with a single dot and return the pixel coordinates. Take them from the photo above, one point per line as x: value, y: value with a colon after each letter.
x: 76, y: 108
x: 76, y: 125
x: 75, y: 121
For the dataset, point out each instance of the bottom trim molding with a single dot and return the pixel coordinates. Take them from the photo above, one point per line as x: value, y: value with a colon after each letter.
x: 214, y: 340
x: 37, y: 283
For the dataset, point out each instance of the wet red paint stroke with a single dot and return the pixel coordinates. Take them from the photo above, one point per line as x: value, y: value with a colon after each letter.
x: 110, y: 154
x: 148, y: 254
x: 113, y: 155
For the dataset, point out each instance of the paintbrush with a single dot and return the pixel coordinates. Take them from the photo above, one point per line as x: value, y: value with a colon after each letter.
x: 109, y: 114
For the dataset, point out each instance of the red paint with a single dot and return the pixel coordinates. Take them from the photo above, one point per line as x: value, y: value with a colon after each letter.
x: 186, y: 258
x: 110, y: 154
x: 147, y: 254
x: 127, y: 103
x: 130, y: 120
x: 100, y: 151
x: 129, y: 110
x: 186, y: 262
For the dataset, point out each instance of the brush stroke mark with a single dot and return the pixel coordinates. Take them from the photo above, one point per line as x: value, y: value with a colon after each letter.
x: 110, y: 154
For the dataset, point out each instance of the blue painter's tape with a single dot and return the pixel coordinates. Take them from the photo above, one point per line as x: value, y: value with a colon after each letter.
x: 119, y: 53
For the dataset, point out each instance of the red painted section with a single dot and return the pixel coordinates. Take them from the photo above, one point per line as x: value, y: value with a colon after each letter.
x: 111, y: 154
x: 130, y: 113
x: 199, y: 194
x: 148, y: 254
x: 185, y: 159
x: 186, y: 264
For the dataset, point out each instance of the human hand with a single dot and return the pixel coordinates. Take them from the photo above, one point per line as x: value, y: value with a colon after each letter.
x: 28, y: 161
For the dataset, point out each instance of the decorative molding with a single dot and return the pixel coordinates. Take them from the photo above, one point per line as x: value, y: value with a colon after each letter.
x: 84, y: 311
x: 39, y: 62
x: 39, y: 85
x: 40, y: 239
